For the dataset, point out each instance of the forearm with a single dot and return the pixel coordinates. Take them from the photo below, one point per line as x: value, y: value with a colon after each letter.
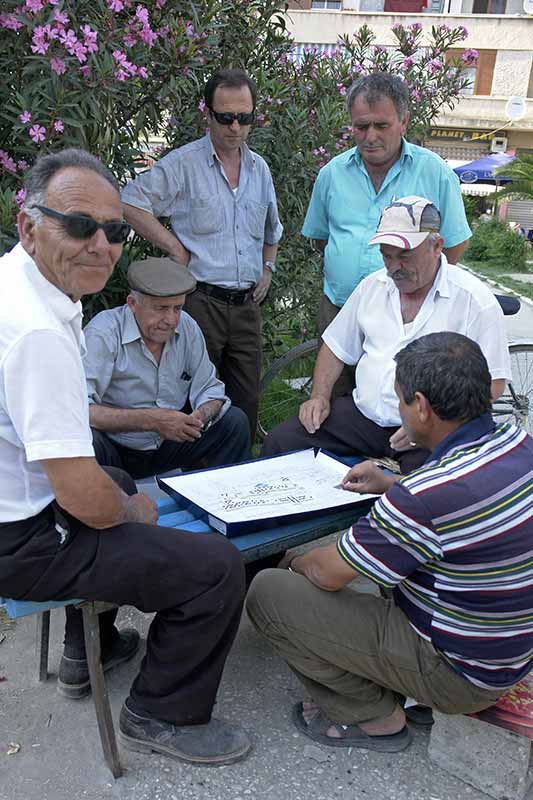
x: 497, y: 388
x: 270, y: 252
x: 453, y: 254
x: 115, y: 420
x: 151, y: 229
x: 324, y: 568
x: 84, y: 490
x: 327, y: 371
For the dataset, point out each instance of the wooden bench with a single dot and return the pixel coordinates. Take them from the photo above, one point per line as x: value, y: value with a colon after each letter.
x: 490, y: 750
x: 253, y: 547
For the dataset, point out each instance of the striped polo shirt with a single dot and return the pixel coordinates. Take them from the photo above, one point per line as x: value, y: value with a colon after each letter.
x: 455, y: 540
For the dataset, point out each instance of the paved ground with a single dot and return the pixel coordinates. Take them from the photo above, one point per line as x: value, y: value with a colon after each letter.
x: 60, y: 758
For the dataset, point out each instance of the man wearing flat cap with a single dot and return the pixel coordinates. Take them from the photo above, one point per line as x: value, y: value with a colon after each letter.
x: 417, y: 292
x: 155, y: 401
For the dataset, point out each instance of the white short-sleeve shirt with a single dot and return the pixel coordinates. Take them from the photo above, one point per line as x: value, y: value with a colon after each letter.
x: 369, y: 331
x: 44, y: 411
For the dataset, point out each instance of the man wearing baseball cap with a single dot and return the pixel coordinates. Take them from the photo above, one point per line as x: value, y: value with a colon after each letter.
x: 155, y: 401
x: 418, y: 292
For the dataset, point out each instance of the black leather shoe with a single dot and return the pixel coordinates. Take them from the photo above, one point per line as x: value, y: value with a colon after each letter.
x: 73, y: 679
x: 213, y: 744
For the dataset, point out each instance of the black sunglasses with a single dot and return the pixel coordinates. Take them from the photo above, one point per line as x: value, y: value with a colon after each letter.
x: 81, y: 226
x: 227, y: 118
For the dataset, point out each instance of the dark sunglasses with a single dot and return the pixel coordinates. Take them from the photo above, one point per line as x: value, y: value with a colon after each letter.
x: 81, y: 226
x: 227, y: 118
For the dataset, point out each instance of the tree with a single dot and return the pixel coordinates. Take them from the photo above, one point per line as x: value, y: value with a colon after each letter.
x: 109, y: 74
x: 521, y: 173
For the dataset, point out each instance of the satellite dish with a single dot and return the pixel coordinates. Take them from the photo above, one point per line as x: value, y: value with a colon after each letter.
x: 515, y: 108
x: 528, y: 7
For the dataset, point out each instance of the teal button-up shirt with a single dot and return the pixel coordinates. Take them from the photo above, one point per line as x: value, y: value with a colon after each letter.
x: 345, y: 209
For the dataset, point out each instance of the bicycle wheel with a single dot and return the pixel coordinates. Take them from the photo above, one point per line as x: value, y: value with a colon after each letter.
x: 521, y: 387
x: 285, y: 385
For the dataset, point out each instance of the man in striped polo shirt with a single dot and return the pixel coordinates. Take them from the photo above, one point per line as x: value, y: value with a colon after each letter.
x: 453, y: 541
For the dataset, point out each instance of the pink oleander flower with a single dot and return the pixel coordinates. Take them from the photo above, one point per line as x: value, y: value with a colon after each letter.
x: 469, y: 56
x: 142, y: 72
x: 80, y: 51
x: 119, y: 56
x: 115, y: 5
x: 37, y: 133
x: 408, y: 62
x: 415, y: 95
x: 69, y: 40
x: 129, y: 40
x: 397, y: 26
x: 60, y: 17
x: 22, y: 165
x: 160, y: 3
x: 33, y: 6
x: 148, y: 36
x: 25, y: 117
x: 58, y: 65
x: 202, y: 106
x: 142, y: 14
x: 164, y: 32
x: 39, y: 43
x: 416, y: 26
x: 121, y: 75
x: 59, y: 126
x: 10, y: 22
x: 435, y: 65
x: 89, y: 38
x: 7, y: 162
x: 463, y: 31
x: 189, y: 30
x: 20, y: 197
x: 85, y: 71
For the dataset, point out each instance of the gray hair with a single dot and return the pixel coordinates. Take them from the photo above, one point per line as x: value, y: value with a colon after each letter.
x: 378, y: 85
x: 38, y: 178
x: 450, y: 371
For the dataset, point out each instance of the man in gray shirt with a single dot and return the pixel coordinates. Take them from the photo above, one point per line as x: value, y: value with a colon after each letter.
x: 222, y: 207
x: 155, y: 401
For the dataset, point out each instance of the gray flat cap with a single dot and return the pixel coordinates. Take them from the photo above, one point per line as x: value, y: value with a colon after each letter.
x: 160, y: 277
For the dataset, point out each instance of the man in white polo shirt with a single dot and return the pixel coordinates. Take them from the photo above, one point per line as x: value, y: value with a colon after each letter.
x: 416, y: 293
x: 66, y: 528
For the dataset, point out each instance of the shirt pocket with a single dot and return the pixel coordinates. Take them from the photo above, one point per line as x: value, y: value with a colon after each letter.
x: 255, y: 217
x: 206, y: 216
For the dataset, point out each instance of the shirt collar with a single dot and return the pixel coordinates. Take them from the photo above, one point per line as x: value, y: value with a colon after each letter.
x: 406, y: 153
x: 212, y: 158
x: 65, y: 309
x: 465, y: 434
x: 130, y: 329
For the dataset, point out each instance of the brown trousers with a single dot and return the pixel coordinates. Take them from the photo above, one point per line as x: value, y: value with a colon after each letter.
x: 233, y: 337
x: 354, y: 652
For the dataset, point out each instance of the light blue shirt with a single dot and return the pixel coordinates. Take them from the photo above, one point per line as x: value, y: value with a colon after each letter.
x: 223, y: 230
x: 345, y: 209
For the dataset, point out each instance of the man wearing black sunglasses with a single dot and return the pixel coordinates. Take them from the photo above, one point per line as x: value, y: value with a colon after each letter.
x: 70, y: 529
x: 225, y: 227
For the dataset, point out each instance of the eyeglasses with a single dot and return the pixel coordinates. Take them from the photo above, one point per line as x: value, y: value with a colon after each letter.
x: 82, y: 226
x: 227, y: 118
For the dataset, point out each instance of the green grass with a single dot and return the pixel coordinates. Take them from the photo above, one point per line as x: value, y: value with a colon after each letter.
x: 499, y: 271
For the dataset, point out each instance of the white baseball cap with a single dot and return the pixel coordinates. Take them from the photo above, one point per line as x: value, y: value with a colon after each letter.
x: 407, y: 222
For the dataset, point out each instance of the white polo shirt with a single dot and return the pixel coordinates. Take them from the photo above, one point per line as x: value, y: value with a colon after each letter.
x: 43, y: 398
x: 369, y: 331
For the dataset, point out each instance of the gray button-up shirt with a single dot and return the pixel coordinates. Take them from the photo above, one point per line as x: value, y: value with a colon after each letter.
x: 121, y: 372
x: 223, y: 230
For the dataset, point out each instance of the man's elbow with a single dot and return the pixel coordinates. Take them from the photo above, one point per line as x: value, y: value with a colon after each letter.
x: 497, y: 389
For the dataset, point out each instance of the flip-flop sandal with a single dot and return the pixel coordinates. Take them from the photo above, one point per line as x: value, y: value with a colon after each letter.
x: 420, y: 715
x: 351, y: 735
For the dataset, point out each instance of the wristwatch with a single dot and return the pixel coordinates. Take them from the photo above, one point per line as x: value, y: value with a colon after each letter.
x: 270, y: 264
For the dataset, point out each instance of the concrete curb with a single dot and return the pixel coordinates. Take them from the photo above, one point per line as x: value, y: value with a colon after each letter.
x: 497, y: 285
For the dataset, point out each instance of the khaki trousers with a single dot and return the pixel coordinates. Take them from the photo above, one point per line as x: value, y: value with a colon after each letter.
x: 354, y: 652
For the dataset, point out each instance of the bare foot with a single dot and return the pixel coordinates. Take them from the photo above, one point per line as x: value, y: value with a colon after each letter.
x: 385, y: 726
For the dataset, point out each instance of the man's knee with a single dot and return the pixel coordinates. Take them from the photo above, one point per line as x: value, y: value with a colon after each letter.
x: 266, y: 597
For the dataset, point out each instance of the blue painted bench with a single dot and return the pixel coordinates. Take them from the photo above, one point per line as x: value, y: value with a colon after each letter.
x: 253, y: 546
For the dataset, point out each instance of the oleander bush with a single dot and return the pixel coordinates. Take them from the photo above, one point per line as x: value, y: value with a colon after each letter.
x: 110, y: 75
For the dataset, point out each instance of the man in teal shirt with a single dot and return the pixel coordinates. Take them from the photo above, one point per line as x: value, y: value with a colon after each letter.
x: 352, y: 190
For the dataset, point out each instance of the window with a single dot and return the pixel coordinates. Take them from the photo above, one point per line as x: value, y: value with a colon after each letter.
x: 479, y: 76
x: 330, y: 5
x: 489, y: 6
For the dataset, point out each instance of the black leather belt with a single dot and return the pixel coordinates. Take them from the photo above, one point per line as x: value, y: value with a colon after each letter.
x: 235, y: 297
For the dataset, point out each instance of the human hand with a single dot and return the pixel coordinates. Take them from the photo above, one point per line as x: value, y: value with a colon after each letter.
x: 285, y: 562
x: 367, y: 478
x: 262, y: 286
x: 313, y: 413
x: 179, y: 427
x: 400, y: 441
x: 141, y: 508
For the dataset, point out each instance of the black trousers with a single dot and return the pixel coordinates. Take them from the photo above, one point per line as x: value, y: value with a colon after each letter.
x: 234, y: 343
x: 346, y: 432
x: 194, y: 583
x: 226, y: 442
